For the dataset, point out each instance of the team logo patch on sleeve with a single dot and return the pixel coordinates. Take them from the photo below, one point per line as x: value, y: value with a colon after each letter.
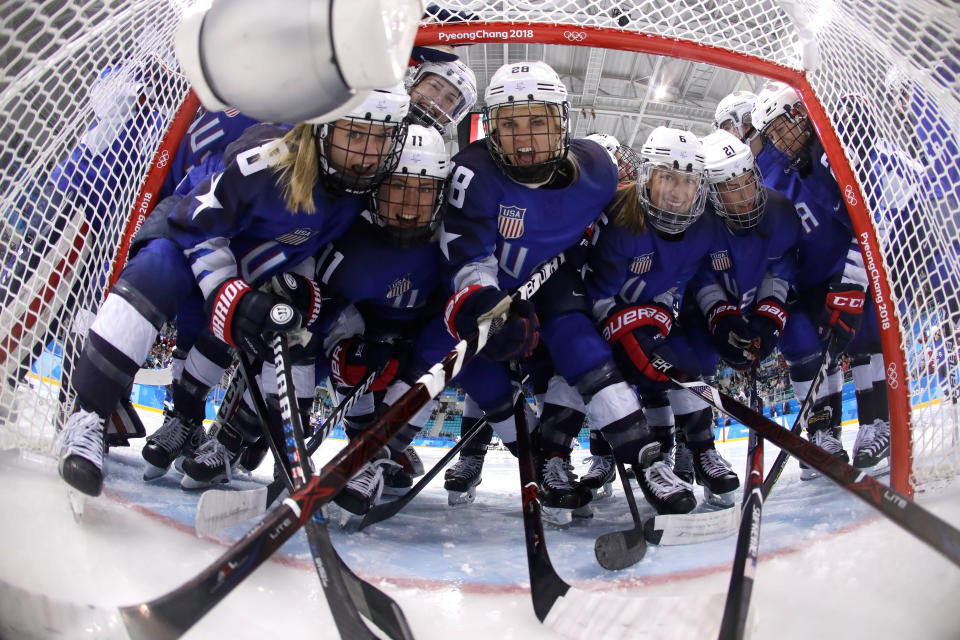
x: 641, y: 264
x: 720, y: 260
x: 295, y: 237
x: 510, y: 222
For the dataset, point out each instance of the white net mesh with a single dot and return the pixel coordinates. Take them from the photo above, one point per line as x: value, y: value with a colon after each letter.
x: 88, y: 91
x: 900, y: 57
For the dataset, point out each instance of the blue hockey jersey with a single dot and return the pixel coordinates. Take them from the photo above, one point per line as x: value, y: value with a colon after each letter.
x: 497, y: 231
x: 237, y: 224
x: 752, y: 264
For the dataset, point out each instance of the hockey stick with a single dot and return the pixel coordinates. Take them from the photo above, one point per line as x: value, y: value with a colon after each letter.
x: 734, y: 622
x: 803, y: 415
x: 386, y: 510
x: 171, y: 614
x: 909, y: 515
x: 219, y: 508
x: 546, y: 587
x: 340, y: 584
x: 622, y: 549
x: 344, y: 612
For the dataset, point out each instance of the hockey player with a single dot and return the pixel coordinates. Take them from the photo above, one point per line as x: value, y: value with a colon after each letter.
x: 270, y: 209
x: 739, y: 297
x: 441, y: 94
x: 387, y: 267
x: 628, y: 161
x: 830, y: 292
x: 647, y: 248
x: 517, y: 198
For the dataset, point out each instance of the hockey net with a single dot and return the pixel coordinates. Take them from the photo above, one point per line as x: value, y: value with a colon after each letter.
x: 899, y: 57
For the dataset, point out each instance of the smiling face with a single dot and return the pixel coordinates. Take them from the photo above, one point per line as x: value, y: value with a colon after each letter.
x: 527, y: 133
x: 408, y: 202
x: 436, y: 97
x: 673, y: 190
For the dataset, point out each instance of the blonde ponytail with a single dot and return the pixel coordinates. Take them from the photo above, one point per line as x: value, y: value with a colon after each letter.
x: 627, y: 212
x: 299, y: 169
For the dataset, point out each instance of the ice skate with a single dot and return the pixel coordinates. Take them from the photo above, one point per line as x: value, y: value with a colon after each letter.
x: 212, y: 462
x: 250, y: 457
x: 79, y: 450
x: 365, y: 488
x: 872, y: 444
x: 556, y: 489
x: 715, y: 475
x: 176, y: 438
x: 600, y: 476
x: 410, y: 460
x: 396, y: 480
x: 661, y: 487
x: 461, y: 480
x: 683, y: 462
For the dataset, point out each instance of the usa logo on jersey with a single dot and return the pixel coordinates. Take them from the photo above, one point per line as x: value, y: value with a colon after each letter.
x: 400, y: 287
x: 295, y: 237
x: 510, y: 222
x: 641, y: 264
x: 720, y: 260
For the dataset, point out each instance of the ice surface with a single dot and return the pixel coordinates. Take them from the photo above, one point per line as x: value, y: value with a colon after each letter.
x: 828, y: 566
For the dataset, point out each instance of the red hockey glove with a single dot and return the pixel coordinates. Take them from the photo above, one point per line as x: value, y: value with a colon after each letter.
x: 635, y: 333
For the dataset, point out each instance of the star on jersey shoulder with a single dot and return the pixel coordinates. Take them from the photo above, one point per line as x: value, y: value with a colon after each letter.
x: 446, y: 237
x: 208, y: 200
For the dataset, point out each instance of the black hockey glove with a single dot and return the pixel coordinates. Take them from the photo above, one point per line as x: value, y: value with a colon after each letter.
x: 516, y: 337
x: 242, y: 316
x: 736, y: 343
x: 767, y: 322
x: 302, y: 293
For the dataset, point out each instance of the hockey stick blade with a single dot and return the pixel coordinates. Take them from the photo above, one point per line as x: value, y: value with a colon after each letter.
x: 217, y: 509
x: 926, y: 526
x: 621, y: 549
x: 691, y: 528
x: 386, y: 510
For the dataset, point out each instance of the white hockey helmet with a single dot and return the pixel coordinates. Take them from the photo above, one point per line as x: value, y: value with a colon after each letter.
x: 380, y: 115
x: 734, y: 182
x: 431, y: 110
x: 518, y: 88
x: 780, y: 117
x: 605, y: 140
x: 295, y: 60
x: 679, y: 154
x: 736, y: 109
x: 408, y: 205
x: 627, y: 160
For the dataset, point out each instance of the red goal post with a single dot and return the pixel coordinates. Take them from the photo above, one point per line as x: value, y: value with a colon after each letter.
x: 762, y: 39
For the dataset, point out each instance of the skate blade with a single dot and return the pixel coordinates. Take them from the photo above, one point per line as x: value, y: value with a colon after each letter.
x: 556, y: 518
x: 78, y: 502
x: 188, y: 483
x: 151, y: 472
x: 723, y: 500
x: 457, y: 498
x: 603, y: 492
x: 586, y: 511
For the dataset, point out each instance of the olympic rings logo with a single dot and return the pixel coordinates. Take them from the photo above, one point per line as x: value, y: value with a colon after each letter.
x: 575, y: 36
x: 893, y: 377
x: 163, y: 159
x: 850, y: 195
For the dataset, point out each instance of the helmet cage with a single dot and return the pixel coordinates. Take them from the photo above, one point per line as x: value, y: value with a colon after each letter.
x: 538, y: 172
x: 628, y: 164
x: 663, y: 219
x: 386, y: 155
x: 393, y: 192
x: 424, y: 110
x: 732, y: 203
